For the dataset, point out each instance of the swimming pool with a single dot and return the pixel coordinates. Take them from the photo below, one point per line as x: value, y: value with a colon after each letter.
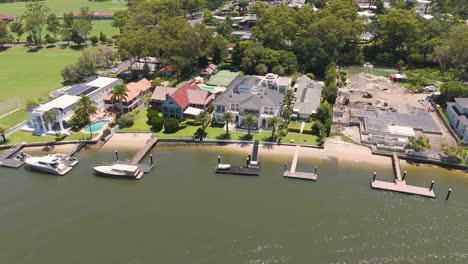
x: 96, y: 126
x: 208, y: 88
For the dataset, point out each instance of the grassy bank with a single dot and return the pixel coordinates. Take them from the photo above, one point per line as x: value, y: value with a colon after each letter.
x: 59, y: 7
x: 21, y: 136
x: 32, y: 75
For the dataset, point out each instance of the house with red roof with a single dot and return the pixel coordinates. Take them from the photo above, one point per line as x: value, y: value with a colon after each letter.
x: 7, y: 18
x: 136, y: 91
x: 186, y: 101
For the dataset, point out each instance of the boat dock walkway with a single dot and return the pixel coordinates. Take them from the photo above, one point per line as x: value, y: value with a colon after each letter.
x: 142, y: 153
x: 251, y: 168
x: 142, y: 168
x: 291, y: 173
x: 400, y: 185
x: 6, y: 159
x: 255, y: 151
x: 77, y: 148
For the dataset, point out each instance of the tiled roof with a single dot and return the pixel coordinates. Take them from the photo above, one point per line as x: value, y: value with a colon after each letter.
x: 181, y: 97
x: 134, y: 89
x: 160, y: 93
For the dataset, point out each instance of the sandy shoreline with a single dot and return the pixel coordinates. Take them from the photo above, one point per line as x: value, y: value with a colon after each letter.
x: 341, y: 151
x: 334, y: 149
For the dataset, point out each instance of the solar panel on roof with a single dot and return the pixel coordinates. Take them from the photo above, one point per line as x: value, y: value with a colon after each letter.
x: 80, y: 89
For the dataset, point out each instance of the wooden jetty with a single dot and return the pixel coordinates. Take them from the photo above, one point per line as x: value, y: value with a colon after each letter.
x: 142, y: 153
x: 251, y: 168
x: 9, y: 159
x: 292, y: 173
x: 400, y: 185
x: 142, y: 168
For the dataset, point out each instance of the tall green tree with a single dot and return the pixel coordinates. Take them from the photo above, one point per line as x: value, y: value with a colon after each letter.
x: 420, y: 143
x: 227, y: 117
x: 17, y: 27
x: 249, y: 120
x: 119, y: 93
x: 5, y: 36
x: 119, y: 19
x: 396, y: 30
x: 288, y: 103
x: 35, y: 18
x: 86, y: 108
x: 53, y: 24
x: 274, y: 122
x: 204, y: 118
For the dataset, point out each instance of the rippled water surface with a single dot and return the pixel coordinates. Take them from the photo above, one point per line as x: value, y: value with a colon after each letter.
x: 184, y: 213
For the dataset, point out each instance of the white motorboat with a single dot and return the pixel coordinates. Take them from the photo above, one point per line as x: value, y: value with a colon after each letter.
x: 119, y: 171
x: 222, y: 166
x: 53, y: 164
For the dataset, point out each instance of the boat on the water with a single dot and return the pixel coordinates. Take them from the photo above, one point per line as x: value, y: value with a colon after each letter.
x: 53, y: 163
x: 222, y: 166
x: 117, y: 170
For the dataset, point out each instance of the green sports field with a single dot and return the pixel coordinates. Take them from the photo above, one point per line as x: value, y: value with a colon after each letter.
x: 32, y: 75
x: 59, y: 7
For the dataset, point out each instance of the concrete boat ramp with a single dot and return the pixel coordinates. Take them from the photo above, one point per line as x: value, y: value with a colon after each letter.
x: 292, y: 173
x: 400, y: 185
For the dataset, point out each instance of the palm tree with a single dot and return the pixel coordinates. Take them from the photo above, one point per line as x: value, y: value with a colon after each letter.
x: 86, y: 107
x: 49, y: 117
x: 288, y: 101
x: 273, y: 122
x: 249, y: 120
x: 227, y: 118
x: 204, y: 117
x: 119, y: 93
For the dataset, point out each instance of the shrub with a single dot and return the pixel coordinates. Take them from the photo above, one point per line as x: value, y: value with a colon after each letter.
x: 110, y: 42
x: 151, y: 114
x: 310, y: 75
x: 94, y: 40
x: 156, y: 123
x: 171, y: 125
x: 49, y: 39
x: 316, y: 127
x: 126, y: 120
x: 60, y: 136
x: 192, y: 122
x: 102, y: 37
x: 224, y: 66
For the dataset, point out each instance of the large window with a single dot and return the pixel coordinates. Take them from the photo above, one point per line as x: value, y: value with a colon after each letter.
x: 219, y: 108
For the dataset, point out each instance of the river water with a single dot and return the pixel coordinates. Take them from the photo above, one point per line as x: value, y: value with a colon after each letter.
x: 184, y: 213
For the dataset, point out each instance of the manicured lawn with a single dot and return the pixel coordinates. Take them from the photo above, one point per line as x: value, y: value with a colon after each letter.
x: 14, y: 118
x: 139, y: 123
x: 59, y: 7
x: 32, y: 75
x: 21, y: 136
x: 104, y: 26
x: 304, y: 139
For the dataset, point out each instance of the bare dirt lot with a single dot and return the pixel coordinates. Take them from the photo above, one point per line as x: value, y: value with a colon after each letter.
x: 383, y: 91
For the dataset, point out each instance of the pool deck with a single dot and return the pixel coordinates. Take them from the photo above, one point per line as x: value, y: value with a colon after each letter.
x: 400, y: 185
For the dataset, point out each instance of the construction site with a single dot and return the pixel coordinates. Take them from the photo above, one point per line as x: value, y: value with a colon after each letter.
x: 374, y: 110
